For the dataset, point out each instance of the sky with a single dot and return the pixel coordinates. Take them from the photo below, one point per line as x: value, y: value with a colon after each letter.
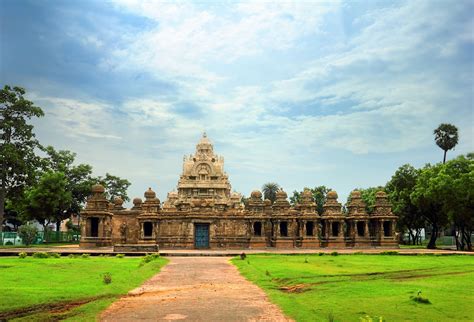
x: 300, y: 93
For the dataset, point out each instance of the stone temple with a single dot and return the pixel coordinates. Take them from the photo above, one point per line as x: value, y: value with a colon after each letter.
x: 205, y: 213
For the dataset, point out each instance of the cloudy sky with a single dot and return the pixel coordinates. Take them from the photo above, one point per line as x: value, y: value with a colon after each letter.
x: 303, y: 94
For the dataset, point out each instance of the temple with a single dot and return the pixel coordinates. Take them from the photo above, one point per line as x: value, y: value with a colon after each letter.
x: 205, y: 213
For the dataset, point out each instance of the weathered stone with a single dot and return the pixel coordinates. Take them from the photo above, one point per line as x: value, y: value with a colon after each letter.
x: 203, y: 212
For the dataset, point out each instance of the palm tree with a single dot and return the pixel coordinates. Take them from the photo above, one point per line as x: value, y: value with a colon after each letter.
x: 269, y: 190
x: 446, y: 137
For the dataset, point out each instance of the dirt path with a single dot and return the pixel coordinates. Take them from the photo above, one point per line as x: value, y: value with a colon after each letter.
x: 195, y: 289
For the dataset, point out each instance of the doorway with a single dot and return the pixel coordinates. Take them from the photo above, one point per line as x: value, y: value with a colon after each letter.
x: 201, y: 235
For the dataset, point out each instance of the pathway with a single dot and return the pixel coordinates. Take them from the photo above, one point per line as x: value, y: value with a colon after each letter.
x: 195, y: 289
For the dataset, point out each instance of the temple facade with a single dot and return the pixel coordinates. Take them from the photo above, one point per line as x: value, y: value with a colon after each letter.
x: 205, y: 213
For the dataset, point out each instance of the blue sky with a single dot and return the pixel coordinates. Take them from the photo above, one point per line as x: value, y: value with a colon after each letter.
x: 306, y: 93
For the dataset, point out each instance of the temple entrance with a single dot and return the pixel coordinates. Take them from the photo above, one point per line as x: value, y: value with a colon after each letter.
x: 94, y: 222
x: 201, y: 235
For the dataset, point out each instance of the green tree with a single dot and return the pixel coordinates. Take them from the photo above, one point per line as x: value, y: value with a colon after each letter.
x: 456, y: 181
x: 17, y: 143
x: 78, y: 177
x: 27, y: 234
x: 319, y: 195
x: 399, y: 189
x: 446, y: 137
x: 429, y: 196
x: 269, y: 190
x: 47, y: 200
x: 114, y: 187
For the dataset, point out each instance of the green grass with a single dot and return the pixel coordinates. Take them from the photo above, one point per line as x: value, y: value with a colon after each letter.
x: 354, y: 287
x: 34, y: 282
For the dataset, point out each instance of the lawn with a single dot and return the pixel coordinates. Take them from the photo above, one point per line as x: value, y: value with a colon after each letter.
x: 365, y: 287
x: 67, y: 288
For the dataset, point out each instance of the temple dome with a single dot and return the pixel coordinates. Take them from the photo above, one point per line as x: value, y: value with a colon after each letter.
x: 281, y: 194
x: 332, y: 195
x: 118, y: 201
x: 307, y: 193
x: 256, y: 194
x: 355, y: 194
x: 150, y: 194
x: 381, y: 194
x: 98, y: 188
x: 137, y: 201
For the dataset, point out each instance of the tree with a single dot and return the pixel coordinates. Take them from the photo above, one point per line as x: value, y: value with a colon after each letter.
x: 27, y: 234
x: 319, y: 195
x: 428, y: 195
x: 269, y: 190
x: 17, y: 143
x: 114, y: 187
x: 78, y: 177
x: 446, y: 137
x: 47, y: 200
x: 456, y: 181
x: 399, y: 189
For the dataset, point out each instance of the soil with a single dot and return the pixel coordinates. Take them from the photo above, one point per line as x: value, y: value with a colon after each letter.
x: 195, y: 289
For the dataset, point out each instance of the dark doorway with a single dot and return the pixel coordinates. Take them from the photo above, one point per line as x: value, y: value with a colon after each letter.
x: 257, y: 228
x: 284, y: 229
x: 94, y: 227
x: 147, y: 229
x: 387, y: 229
x: 360, y: 228
x: 201, y: 235
x: 309, y: 228
x: 335, y: 229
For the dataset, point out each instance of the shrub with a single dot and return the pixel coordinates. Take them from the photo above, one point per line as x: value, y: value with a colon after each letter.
x: 120, y: 255
x: 107, y: 278
x: 55, y: 255
x: 41, y: 255
x: 8, y: 243
x: 27, y: 234
x: 22, y: 255
x: 149, y: 257
x: 389, y: 252
x: 243, y: 256
x: 320, y: 254
x: 267, y: 273
x: 72, y: 256
x: 334, y: 253
x: 306, y: 260
x: 85, y: 255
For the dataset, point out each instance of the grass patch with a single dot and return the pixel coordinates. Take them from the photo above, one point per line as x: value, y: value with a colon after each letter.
x: 74, y: 288
x: 361, y: 287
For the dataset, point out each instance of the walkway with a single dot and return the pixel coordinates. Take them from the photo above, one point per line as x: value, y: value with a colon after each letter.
x: 195, y: 289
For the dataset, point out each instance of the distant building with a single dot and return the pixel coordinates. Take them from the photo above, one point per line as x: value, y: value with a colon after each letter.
x: 204, y: 213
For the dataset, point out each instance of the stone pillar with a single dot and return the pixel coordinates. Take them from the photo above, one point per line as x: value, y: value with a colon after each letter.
x: 366, y: 229
x: 341, y: 229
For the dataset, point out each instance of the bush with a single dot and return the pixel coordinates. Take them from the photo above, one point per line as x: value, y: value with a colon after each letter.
x: 120, y: 255
x: 22, y: 255
x: 8, y: 243
x: 107, y: 278
x: 41, y: 255
x: 390, y: 252
x: 320, y: 254
x: 334, y: 253
x: 85, y: 255
x: 72, y: 256
x: 243, y: 256
x: 149, y: 257
x: 55, y: 255
x: 27, y: 234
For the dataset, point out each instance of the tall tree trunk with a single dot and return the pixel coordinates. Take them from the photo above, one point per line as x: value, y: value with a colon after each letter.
x: 58, y: 225
x: 444, y: 157
x: 434, y: 236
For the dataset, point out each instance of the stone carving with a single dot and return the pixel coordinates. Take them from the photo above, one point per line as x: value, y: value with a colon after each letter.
x: 203, y: 206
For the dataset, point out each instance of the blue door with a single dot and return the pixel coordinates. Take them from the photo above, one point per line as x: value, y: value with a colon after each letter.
x: 201, y: 235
